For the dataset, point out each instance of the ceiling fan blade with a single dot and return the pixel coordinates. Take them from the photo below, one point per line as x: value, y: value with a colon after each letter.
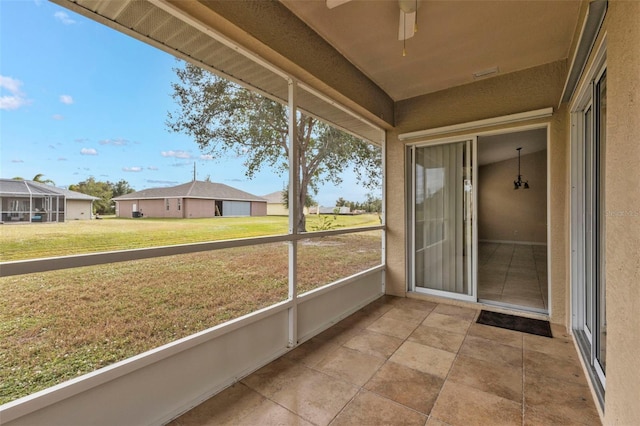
x: 335, y: 3
x: 407, y: 27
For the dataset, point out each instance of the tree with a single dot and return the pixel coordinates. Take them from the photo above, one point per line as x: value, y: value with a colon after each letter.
x: 103, y: 190
x: 308, y: 202
x: 38, y: 178
x: 121, y: 187
x: 223, y: 118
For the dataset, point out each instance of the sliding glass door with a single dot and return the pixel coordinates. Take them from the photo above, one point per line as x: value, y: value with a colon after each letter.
x: 442, y: 207
x: 588, y: 227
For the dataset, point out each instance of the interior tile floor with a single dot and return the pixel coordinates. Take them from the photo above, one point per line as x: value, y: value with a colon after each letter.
x: 402, y: 361
x: 513, y: 274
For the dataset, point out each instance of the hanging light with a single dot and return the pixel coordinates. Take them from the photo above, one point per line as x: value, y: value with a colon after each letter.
x: 519, y: 183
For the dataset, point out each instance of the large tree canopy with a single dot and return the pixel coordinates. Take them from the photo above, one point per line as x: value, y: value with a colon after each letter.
x: 103, y: 190
x: 223, y: 118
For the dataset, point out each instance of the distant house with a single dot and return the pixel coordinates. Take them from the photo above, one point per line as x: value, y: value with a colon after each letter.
x: 276, y: 206
x: 190, y: 200
x: 29, y: 201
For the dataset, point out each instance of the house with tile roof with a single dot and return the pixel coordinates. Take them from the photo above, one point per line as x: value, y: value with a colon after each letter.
x: 29, y: 201
x: 190, y: 200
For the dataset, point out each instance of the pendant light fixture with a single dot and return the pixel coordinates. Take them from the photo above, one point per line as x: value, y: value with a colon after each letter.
x: 519, y: 183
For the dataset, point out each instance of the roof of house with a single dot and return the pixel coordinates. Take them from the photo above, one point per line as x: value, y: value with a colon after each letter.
x: 274, y: 198
x: 194, y: 189
x: 27, y: 188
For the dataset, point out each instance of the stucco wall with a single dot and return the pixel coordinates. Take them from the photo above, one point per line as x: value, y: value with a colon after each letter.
x: 505, y: 214
x: 199, y: 208
x: 526, y: 90
x: 258, y: 208
x: 623, y: 214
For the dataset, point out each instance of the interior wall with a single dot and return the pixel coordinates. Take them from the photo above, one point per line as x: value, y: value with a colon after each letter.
x: 505, y: 214
x: 526, y: 90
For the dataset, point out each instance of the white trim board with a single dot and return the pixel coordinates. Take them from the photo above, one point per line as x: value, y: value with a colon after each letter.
x: 495, y: 121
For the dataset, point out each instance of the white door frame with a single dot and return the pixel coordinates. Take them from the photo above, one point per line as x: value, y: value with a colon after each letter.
x: 420, y: 139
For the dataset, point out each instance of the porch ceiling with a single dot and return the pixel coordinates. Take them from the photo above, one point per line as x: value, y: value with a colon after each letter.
x: 455, y: 39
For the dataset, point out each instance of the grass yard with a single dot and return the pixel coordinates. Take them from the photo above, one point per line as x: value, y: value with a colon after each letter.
x: 61, y: 324
x: 30, y: 241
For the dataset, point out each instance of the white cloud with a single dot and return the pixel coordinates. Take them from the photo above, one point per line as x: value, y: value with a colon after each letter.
x: 81, y: 140
x: 132, y: 169
x: 207, y: 157
x: 114, y: 142
x: 62, y: 159
x: 66, y: 99
x: 64, y: 18
x: 57, y: 117
x: 88, y: 151
x: 152, y: 168
x: 17, y: 161
x: 176, y: 154
x: 16, y: 99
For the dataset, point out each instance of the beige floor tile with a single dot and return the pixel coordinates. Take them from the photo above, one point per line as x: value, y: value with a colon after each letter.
x: 313, y: 395
x: 312, y: 351
x: 437, y: 338
x: 541, y: 364
x: 271, y: 414
x: 375, y: 344
x: 359, y: 320
x: 435, y: 422
x: 424, y: 358
x: 226, y: 408
x: 491, y: 351
x: 547, y: 397
x: 457, y: 311
x: 557, y: 347
x: 463, y: 406
x: 274, y: 376
x: 392, y: 327
x: 406, y: 386
x: 370, y: 409
x: 497, y: 334
x: 338, y: 334
x: 411, y: 316
x: 447, y: 322
x: 411, y: 303
x: 350, y: 365
x: 530, y: 302
x: 499, y: 379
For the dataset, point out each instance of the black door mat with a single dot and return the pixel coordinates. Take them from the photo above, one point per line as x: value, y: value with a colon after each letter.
x: 512, y: 322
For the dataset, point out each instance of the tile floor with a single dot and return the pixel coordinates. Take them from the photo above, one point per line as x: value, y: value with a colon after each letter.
x: 515, y: 274
x: 406, y: 361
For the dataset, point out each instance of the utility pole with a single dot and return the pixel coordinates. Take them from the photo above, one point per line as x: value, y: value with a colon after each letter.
x: 194, y: 171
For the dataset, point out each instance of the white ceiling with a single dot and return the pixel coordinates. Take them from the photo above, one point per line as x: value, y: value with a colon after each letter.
x: 492, y: 149
x: 455, y: 39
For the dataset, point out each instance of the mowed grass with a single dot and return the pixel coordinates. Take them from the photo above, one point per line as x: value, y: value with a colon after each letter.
x: 30, y: 241
x: 58, y: 325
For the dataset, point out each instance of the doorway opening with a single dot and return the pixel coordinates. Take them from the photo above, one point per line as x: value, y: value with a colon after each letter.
x: 512, y: 220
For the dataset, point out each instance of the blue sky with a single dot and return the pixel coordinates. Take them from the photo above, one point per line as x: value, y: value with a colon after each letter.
x: 78, y: 99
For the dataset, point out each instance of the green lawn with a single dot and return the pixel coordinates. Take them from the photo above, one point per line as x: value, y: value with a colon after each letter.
x: 58, y: 325
x: 36, y: 240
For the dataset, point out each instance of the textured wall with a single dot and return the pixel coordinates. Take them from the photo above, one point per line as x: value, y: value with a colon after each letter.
x: 623, y: 214
x: 505, y: 214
